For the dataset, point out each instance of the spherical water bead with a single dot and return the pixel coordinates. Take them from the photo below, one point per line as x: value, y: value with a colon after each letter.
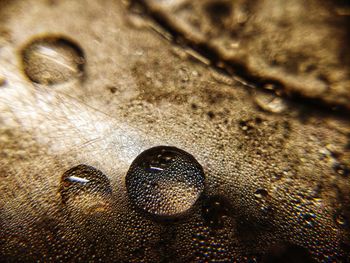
x: 52, y: 60
x: 86, y: 189
x: 165, y: 181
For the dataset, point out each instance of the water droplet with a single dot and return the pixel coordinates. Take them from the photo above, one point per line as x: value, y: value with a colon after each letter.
x: 260, y: 193
x: 211, y: 115
x: 245, y: 125
x: 342, y: 169
x: 270, y: 102
x: 165, y: 181
x: 309, y: 219
x: 341, y: 220
x: 52, y: 60
x: 86, y: 188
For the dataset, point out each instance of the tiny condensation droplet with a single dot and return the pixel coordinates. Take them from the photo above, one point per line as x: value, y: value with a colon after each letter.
x: 341, y: 220
x: 260, y: 193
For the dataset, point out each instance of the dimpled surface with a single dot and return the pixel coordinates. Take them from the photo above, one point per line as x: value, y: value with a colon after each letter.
x: 165, y: 181
x: 276, y: 182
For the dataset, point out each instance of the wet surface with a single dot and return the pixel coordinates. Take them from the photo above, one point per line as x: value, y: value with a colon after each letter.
x: 300, y: 47
x: 257, y: 177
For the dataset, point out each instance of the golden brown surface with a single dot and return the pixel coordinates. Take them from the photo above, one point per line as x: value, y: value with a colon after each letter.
x: 276, y: 170
x: 299, y: 47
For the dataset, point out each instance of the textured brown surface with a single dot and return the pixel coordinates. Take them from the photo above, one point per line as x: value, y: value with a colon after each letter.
x: 299, y: 46
x: 277, y: 171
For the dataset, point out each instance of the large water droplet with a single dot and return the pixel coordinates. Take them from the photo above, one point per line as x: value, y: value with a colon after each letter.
x: 86, y: 189
x: 52, y: 60
x: 165, y: 181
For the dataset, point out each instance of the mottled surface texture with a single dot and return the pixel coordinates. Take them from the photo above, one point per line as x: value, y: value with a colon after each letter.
x: 276, y: 170
x: 300, y: 46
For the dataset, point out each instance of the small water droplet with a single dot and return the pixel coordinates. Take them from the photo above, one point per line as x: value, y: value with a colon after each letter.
x: 270, y: 102
x: 211, y: 115
x: 341, y: 220
x: 342, y: 169
x: 86, y: 188
x: 165, y: 181
x: 245, y: 125
x: 261, y: 193
x: 309, y: 219
x: 52, y: 60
